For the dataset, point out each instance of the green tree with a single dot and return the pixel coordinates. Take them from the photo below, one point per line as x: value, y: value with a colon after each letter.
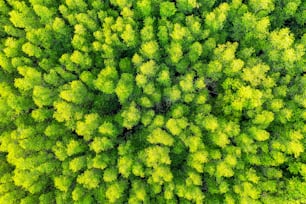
x: 106, y: 80
x: 125, y: 87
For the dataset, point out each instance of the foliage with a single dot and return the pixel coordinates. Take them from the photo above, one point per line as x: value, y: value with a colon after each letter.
x: 152, y: 101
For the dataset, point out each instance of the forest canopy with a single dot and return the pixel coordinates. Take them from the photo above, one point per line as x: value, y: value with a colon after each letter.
x: 152, y: 101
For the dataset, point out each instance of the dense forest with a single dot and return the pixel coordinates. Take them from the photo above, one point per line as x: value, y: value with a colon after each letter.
x: 152, y: 101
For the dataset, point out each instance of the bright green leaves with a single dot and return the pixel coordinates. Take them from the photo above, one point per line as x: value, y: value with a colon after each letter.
x: 58, y: 25
x: 197, y: 159
x: 162, y: 174
x: 159, y: 136
x: 66, y: 112
x: 186, y: 83
x: 125, y: 87
x: 100, y: 144
x: 175, y: 51
x: 162, y: 34
x: 122, y: 3
x: 110, y: 175
x: 44, y: 13
x: 41, y: 114
x: 30, y: 180
x: 77, y: 164
x: 294, y: 145
x: 258, y: 134
x: 147, y: 32
x: 176, y: 126
x: 81, y: 59
x: 154, y: 156
x: 63, y: 182
x: 141, y: 80
x: 76, y: 93
x: 281, y: 39
x: 23, y: 17
x: 150, y: 50
x: 145, y: 7
x: 234, y: 68
x: 125, y: 167
x: 106, y: 80
x: 194, y: 143
x: 164, y: 77
x: 247, y: 189
x: 215, y: 20
x: 75, y: 147
x: 224, y: 170
x: 167, y: 9
x: 210, y: 123
x: 282, y: 52
x: 87, y: 21
x: 138, y: 192
x: 256, y: 74
x: 108, y: 129
x: 129, y: 36
x: 173, y: 93
x: 178, y: 32
x: 89, y: 126
x: 193, y: 178
x: 262, y: 6
x: 32, y: 77
x: 149, y: 68
x: 226, y: 51
x: 131, y: 116
x: 89, y: 179
x: 195, y: 51
x: 296, y: 148
x: 152, y: 101
x: 114, y: 191
x: 264, y: 118
x: 186, y: 6
x: 220, y: 139
x: 78, y: 5
x: 43, y: 96
x: 256, y: 29
x: 12, y: 48
x: 32, y: 50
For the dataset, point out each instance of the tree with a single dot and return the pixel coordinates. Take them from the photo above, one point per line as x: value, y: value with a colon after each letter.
x: 89, y: 126
x: 106, y: 80
x: 68, y: 113
x: 100, y: 144
x: 131, y: 116
x: 63, y: 183
x: 159, y: 136
x: 149, y: 68
x: 124, y: 87
x: 114, y: 191
x: 76, y: 93
x: 150, y: 49
x: 167, y: 9
x: 215, y: 19
x: 145, y: 7
x: 23, y: 17
x: 110, y: 175
x: 151, y: 101
x: 44, y: 13
x: 43, y: 96
x: 187, y: 6
x: 160, y: 156
x: 31, y: 78
x: 89, y: 179
x: 109, y: 129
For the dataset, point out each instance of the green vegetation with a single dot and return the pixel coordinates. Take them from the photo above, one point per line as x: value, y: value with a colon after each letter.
x: 152, y: 101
